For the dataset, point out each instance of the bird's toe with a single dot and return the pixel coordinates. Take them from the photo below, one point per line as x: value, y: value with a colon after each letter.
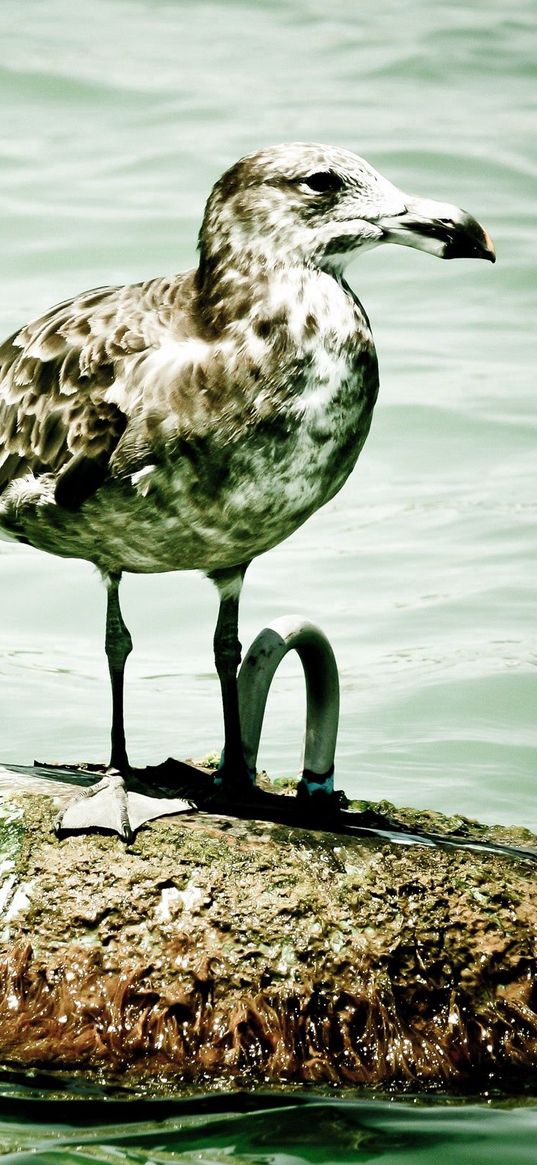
x: 102, y: 806
x: 108, y: 806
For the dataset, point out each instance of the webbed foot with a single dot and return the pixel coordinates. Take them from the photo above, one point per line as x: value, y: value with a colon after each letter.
x: 110, y: 806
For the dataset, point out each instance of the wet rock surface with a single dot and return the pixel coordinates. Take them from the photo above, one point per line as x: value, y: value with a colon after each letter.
x: 214, y: 950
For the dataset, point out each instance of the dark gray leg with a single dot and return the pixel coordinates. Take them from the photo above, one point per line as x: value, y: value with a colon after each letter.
x: 108, y: 804
x: 233, y: 773
x: 118, y: 644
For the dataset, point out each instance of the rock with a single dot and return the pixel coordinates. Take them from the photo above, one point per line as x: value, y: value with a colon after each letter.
x: 217, y: 950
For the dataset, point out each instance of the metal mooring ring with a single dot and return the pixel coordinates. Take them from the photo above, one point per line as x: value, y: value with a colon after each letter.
x: 290, y: 633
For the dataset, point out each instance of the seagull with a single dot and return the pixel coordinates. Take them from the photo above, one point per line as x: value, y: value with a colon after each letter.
x: 194, y: 421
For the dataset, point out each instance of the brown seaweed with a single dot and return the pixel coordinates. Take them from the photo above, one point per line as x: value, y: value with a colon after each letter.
x: 223, y: 950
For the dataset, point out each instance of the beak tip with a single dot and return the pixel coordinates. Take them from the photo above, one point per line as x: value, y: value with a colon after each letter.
x: 489, y: 248
x: 472, y: 242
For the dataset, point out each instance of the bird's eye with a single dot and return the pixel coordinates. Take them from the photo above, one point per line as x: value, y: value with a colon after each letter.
x: 324, y: 182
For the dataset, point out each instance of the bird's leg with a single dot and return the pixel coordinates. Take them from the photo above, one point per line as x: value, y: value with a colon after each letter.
x: 233, y: 774
x: 109, y: 804
x: 118, y: 644
x: 105, y: 804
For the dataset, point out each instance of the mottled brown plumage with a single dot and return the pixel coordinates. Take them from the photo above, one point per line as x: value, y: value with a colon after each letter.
x: 192, y: 422
x: 56, y: 371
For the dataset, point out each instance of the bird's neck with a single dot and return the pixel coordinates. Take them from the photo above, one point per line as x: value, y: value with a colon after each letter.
x: 259, y: 287
x: 226, y: 288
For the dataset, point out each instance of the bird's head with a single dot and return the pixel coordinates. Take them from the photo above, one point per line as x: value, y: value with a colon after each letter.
x: 321, y: 205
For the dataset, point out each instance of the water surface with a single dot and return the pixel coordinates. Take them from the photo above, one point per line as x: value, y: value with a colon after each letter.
x: 117, y: 117
x: 274, y: 1131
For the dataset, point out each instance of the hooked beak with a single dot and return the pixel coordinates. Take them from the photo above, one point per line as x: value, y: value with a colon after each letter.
x: 439, y: 228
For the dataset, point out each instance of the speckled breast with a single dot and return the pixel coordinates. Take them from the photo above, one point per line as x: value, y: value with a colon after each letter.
x: 218, y: 504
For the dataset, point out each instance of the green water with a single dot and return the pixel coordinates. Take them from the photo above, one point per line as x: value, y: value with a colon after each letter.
x: 117, y: 116
x: 273, y: 1131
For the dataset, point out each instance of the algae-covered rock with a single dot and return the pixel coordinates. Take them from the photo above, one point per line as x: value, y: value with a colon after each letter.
x: 216, y: 949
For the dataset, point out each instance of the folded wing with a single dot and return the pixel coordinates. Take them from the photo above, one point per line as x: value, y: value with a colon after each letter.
x: 68, y: 383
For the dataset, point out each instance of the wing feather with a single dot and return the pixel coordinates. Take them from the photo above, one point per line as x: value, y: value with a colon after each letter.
x: 57, y: 411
